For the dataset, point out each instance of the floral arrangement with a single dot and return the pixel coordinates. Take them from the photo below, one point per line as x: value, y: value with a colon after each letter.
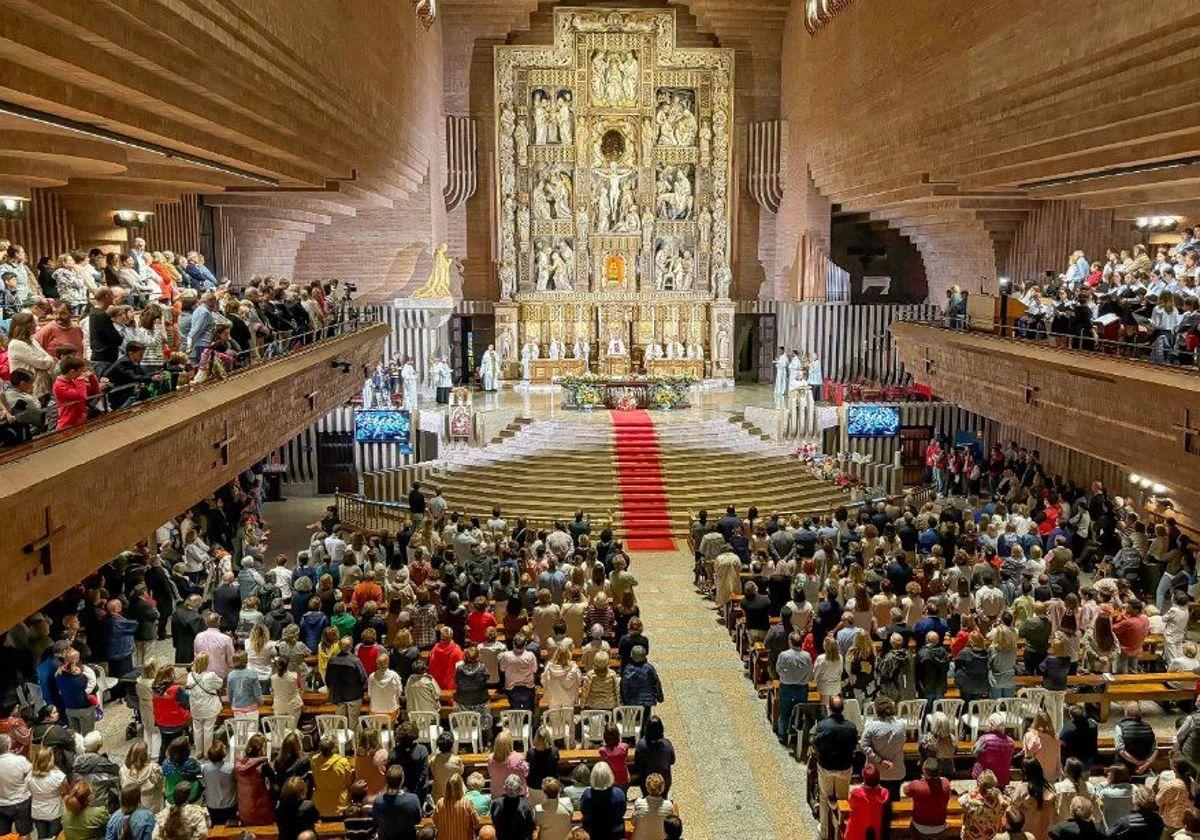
x: 807, y: 451
x: 589, y: 396
x: 627, y: 402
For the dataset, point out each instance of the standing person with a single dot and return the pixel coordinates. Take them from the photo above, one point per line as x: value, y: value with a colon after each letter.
x: 994, y: 751
x: 930, y: 796
x: 45, y: 790
x: 220, y: 789
x: 983, y: 808
x: 171, y: 708
x: 553, y: 815
x: 868, y: 808
x: 816, y: 377
x: 781, y: 374
x: 1131, y: 630
x: 883, y: 743
x: 138, y: 769
x: 332, y: 774
x: 346, y: 680
x: 15, y: 801
x: 602, y: 805
x: 795, y: 669
x: 204, y: 696
x: 132, y: 821
x: 834, y: 741
x: 397, y: 812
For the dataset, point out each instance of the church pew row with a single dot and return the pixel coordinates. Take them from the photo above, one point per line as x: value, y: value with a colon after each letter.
x: 332, y: 829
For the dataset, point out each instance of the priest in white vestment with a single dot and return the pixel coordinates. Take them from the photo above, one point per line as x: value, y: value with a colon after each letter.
x: 489, y: 368
x: 409, y: 384
x: 616, y: 347
x: 781, y: 373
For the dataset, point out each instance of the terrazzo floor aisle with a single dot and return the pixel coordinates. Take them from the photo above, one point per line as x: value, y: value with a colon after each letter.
x: 732, y: 779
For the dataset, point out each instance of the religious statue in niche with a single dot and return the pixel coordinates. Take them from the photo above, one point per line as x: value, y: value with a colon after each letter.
x: 553, y: 264
x: 613, y: 199
x: 673, y: 196
x: 553, y: 119
x: 674, y: 266
x: 614, y: 78
x: 675, y: 117
x: 551, y: 197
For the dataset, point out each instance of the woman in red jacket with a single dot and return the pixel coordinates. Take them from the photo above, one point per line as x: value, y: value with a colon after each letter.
x: 72, y: 389
x: 254, y: 779
x: 172, y: 709
x: 868, y: 807
x: 444, y: 659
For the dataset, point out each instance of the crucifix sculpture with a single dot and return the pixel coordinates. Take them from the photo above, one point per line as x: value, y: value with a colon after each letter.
x: 1191, y: 433
x: 41, y: 549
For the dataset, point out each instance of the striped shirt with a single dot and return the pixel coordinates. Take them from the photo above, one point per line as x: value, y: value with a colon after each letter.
x: 456, y: 821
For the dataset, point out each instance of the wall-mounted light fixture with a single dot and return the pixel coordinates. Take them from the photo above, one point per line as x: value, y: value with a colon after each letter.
x: 132, y: 218
x: 1157, y: 223
x: 12, y: 207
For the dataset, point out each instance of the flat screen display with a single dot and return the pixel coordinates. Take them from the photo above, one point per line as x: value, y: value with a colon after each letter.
x: 872, y: 421
x: 384, y: 425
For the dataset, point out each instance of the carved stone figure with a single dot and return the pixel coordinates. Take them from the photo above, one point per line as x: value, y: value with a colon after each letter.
x: 608, y: 196
x: 508, y: 280
x: 674, y: 267
x: 562, y: 266
x: 722, y: 354
x: 704, y: 222
x: 545, y: 127
x: 674, y: 118
x: 523, y: 228
x: 705, y: 144
x: 614, y: 77
x: 673, y: 199
x: 722, y: 278
x: 564, y: 118
x: 541, y: 201
x: 542, y: 265
x: 647, y: 232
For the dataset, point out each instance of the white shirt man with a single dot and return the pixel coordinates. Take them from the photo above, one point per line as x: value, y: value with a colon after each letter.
x: 781, y: 373
x: 616, y: 347
x: 14, y: 770
x: 335, y: 547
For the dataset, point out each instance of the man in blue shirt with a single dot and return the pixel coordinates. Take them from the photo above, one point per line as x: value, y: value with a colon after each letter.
x: 200, y: 334
x: 795, y: 669
x: 200, y: 274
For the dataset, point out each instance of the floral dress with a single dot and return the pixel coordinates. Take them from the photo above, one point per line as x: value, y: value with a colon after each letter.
x: 982, y: 815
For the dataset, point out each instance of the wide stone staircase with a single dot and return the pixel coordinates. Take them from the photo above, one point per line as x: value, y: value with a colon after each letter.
x: 546, y: 469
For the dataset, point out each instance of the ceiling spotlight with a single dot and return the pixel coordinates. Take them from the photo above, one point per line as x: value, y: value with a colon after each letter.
x: 1143, y: 222
x: 1134, y: 478
x: 1158, y: 489
x: 132, y: 218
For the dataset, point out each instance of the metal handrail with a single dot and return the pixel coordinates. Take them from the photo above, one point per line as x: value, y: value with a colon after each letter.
x: 1128, y: 351
x: 275, y: 350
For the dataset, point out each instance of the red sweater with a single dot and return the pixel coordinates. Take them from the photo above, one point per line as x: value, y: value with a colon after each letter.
x: 866, y: 812
x: 478, y: 622
x: 71, y: 396
x: 1131, y: 632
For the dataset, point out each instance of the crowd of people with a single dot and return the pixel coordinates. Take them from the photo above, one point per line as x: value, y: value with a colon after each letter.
x: 92, y: 332
x: 448, y: 614
x: 1149, y: 304
x: 1010, y: 572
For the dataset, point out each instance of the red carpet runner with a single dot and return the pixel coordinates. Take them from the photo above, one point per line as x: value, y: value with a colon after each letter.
x: 639, y: 473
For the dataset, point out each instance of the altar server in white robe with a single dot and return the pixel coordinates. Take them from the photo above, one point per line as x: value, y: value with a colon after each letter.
x: 816, y: 377
x: 616, y: 346
x: 554, y: 354
x: 675, y: 350
x: 443, y: 378
x: 781, y: 373
x: 489, y: 368
x: 795, y: 373
x: 580, y: 351
x: 409, y: 382
x: 695, y: 351
x: 653, y: 351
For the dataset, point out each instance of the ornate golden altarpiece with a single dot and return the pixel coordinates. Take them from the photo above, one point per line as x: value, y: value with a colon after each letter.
x: 615, y: 187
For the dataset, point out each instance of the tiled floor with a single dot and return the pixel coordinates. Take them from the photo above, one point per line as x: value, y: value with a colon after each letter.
x: 732, y: 778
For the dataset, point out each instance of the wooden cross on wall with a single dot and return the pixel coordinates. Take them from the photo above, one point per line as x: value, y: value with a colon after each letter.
x: 928, y: 362
x: 1191, y: 434
x: 41, y: 550
x: 222, y: 446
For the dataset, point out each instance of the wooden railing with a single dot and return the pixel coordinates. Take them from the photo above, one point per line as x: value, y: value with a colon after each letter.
x: 363, y: 514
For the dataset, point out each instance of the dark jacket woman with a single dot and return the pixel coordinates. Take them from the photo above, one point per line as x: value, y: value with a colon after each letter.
x: 971, y: 674
x: 603, y: 813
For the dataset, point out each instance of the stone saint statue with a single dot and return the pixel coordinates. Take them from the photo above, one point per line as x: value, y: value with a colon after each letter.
x: 438, y: 284
x: 722, y: 278
x: 521, y: 138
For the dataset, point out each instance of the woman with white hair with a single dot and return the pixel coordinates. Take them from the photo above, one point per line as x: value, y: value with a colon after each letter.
x: 603, y: 805
x: 511, y: 813
x: 994, y: 750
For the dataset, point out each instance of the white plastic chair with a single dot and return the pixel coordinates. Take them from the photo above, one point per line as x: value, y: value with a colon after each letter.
x: 978, y: 711
x: 629, y: 721
x: 238, y: 731
x: 428, y: 726
x: 276, y: 728
x: 467, y: 728
x: 911, y: 711
x: 852, y: 711
x: 591, y: 726
x: 336, y: 727
x: 561, y: 723
x: 1016, y: 711
x: 1054, y: 702
x: 952, y: 709
x: 519, y: 723
x: 104, y: 683
x: 868, y: 713
x: 380, y: 723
